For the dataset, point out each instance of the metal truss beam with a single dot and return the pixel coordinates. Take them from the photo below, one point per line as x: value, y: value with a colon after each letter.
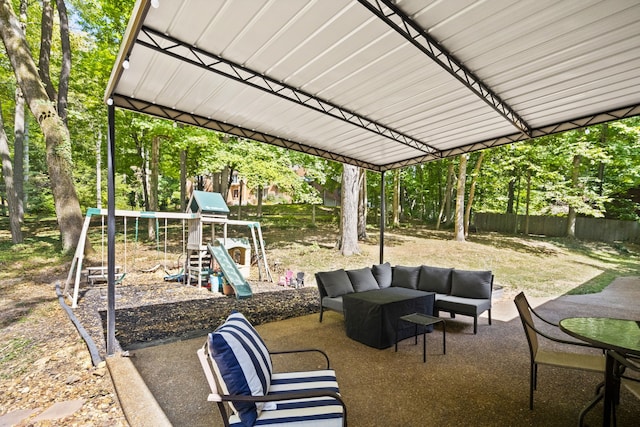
x: 192, y: 55
x: 195, y: 120
x: 556, y: 128
x: 393, y: 16
x: 225, y: 127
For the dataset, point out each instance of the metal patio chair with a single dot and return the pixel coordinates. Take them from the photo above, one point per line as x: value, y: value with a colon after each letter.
x: 539, y: 356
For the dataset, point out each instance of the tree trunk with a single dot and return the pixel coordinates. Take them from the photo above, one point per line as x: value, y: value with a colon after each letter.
x: 240, y: 200
x: 528, y: 202
x: 19, y: 134
x: 225, y: 182
x: 472, y: 192
x: 511, y: 194
x: 349, y: 221
x: 396, y: 199
x: 56, y: 134
x: 183, y: 180
x: 517, y: 208
x: 362, y: 206
x: 260, y: 191
x: 7, y: 174
x: 575, y: 175
x: 603, y: 140
x: 99, y: 170
x: 421, y: 194
x: 46, y: 31
x: 154, y: 174
x: 18, y: 152
x: 143, y: 170
x: 462, y: 176
x: 65, y: 66
x: 445, y: 206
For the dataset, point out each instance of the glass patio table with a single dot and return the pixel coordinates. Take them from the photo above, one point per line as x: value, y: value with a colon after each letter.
x: 620, y: 335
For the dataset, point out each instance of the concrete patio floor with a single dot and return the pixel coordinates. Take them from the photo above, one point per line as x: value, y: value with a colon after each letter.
x: 483, y: 380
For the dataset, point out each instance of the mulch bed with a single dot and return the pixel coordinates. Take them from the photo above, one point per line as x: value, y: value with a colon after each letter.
x: 149, y: 314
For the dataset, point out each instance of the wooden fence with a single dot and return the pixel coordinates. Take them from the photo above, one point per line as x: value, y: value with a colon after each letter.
x: 598, y: 229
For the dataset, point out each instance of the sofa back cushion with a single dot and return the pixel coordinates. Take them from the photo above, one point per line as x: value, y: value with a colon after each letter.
x: 242, y: 364
x: 336, y: 283
x: 383, y: 274
x: 405, y: 277
x: 362, y: 280
x: 471, y: 284
x: 435, y: 279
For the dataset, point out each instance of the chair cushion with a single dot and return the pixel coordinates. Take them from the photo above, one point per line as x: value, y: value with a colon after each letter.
x: 471, y: 284
x: 312, y: 412
x: 362, y: 280
x: 405, y: 277
x: 435, y: 279
x: 382, y: 273
x: 336, y: 282
x: 242, y: 364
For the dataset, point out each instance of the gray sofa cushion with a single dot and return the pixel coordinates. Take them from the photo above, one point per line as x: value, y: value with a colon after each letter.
x: 336, y: 282
x: 465, y: 306
x: 362, y: 280
x: 435, y: 279
x: 333, y: 303
x: 471, y: 284
x: 382, y: 273
x: 405, y: 277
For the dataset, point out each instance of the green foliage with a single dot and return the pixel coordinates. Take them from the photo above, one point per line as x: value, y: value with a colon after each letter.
x: 609, y: 169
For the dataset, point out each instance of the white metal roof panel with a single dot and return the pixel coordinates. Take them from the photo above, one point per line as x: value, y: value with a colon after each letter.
x: 380, y: 83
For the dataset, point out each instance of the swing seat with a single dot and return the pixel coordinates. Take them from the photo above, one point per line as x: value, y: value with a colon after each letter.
x: 178, y: 277
x: 99, y: 275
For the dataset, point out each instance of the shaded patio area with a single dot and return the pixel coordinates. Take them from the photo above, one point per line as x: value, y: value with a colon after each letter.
x: 482, y: 380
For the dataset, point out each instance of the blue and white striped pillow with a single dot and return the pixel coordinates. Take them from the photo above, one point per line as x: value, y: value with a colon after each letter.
x: 242, y: 364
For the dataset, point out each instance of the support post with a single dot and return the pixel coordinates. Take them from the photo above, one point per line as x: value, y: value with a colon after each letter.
x: 111, y: 231
x: 382, y: 216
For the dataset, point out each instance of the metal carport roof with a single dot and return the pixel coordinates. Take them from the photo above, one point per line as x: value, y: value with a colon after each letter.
x: 378, y: 83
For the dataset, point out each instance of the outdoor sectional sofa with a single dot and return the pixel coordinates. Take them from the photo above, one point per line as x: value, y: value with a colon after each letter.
x: 462, y: 292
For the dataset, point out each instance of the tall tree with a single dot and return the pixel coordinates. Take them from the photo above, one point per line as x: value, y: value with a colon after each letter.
x: 56, y: 134
x: 348, y: 243
x: 153, y: 184
x: 459, y: 220
x: 362, y: 206
x: 20, y: 140
x: 396, y: 198
x: 472, y: 193
x: 445, y: 206
x: 7, y: 173
x: 571, y: 217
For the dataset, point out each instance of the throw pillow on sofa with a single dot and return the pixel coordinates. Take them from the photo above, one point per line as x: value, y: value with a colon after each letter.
x: 383, y: 274
x: 435, y: 279
x: 471, y: 284
x: 336, y: 282
x: 362, y: 280
x: 405, y: 277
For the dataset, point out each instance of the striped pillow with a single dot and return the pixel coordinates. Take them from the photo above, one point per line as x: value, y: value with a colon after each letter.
x: 242, y: 364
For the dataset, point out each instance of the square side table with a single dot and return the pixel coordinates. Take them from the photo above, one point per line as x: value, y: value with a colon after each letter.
x: 424, y: 320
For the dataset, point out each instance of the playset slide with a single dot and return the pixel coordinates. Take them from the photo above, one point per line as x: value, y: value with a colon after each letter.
x: 231, y: 273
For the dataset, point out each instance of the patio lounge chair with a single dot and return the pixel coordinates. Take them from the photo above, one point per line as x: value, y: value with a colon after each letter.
x: 586, y: 362
x: 239, y: 371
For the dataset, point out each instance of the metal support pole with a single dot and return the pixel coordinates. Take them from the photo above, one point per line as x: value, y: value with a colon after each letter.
x: 111, y: 232
x: 382, y: 216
